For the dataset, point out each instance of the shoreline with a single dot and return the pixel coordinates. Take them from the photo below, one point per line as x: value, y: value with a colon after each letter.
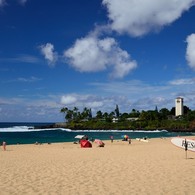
x: 104, y: 140
x: 61, y: 136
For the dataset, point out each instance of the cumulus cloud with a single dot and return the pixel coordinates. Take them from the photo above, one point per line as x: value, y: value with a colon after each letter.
x: 140, y: 17
x: 69, y: 99
x: 92, y: 54
x: 95, y: 102
x: 190, y: 52
x: 48, y: 51
x: 78, y: 100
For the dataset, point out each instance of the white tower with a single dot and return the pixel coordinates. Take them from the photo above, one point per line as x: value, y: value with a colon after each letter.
x: 178, y: 106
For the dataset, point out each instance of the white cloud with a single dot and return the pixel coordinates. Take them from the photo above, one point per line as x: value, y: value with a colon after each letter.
x: 22, y: 79
x: 190, y: 52
x: 47, y: 105
x: 21, y: 2
x: 27, y: 58
x: 139, y: 17
x: 122, y: 65
x: 183, y: 81
x: 137, y: 95
x: 23, y: 58
x: 31, y: 79
x: 126, y: 102
x: 91, y: 54
x: 2, y: 3
x: 95, y: 102
x: 89, y: 101
x: 48, y: 51
x: 68, y: 99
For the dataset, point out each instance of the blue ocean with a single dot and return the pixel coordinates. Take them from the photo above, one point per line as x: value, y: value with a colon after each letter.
x: 29, y: 133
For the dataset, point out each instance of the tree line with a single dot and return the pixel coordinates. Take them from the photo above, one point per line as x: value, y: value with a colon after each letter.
x: 151, y: 119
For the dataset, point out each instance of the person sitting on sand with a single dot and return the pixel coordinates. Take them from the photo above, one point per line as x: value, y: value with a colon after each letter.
x: 37, y: 143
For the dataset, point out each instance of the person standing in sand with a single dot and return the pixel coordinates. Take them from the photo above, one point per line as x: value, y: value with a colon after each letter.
x: 4, y: 145
x: 111, y: 138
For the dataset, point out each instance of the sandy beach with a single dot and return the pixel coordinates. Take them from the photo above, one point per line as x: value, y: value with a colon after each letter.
x: 156, y: 167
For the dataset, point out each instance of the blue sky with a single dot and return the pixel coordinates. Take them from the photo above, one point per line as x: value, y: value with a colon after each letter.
x: 96, y: 54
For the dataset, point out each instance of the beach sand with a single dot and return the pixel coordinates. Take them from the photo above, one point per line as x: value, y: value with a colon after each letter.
x: 157, y: 167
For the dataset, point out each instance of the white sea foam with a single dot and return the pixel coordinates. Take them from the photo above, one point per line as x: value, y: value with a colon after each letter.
x: 28, y: 129
x: 138, y: 131
x: 31, y: 128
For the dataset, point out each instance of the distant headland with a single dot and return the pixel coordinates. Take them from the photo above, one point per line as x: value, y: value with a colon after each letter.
x: 85, y: 126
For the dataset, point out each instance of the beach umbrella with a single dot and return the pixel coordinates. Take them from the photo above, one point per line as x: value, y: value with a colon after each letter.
x: 99, y: 142
x: 79, y: 136
x: 125, y: 137
x: 85, y: 144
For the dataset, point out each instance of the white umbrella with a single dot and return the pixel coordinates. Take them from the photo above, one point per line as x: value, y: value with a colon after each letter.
x: 79, y: 136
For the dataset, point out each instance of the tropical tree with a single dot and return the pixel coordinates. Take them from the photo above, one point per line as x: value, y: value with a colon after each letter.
x: 75, y: 113
x: 111, y: 115
x: 134, y: 113
x: 99, y: 114
x: 164, y: 113
x: 86, y: 113
x: 64, y: 110
x: 124, y: 116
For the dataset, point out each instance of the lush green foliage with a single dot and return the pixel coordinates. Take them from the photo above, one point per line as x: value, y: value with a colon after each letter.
x: 148, y: 120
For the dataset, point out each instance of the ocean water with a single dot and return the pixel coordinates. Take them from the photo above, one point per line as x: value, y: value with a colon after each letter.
x: 24, y: 133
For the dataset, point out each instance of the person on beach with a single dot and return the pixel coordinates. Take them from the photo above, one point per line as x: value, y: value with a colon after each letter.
x: 111, y: 138
x: 129, y: 140
x: 4, y: 145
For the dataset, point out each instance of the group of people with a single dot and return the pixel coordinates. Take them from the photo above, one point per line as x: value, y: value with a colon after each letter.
x: 124, y: 139
x: 97, y: 141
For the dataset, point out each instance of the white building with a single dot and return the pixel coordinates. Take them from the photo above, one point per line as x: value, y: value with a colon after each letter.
x: 178, y: 106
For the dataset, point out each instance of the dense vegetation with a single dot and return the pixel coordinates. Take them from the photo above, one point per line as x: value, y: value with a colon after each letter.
x: 147, y: 120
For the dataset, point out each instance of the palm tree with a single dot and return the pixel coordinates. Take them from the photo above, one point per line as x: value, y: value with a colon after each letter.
x: 68, y: 113
x: 75, y: 113
x: 64, y: 110
x: 85, y: 113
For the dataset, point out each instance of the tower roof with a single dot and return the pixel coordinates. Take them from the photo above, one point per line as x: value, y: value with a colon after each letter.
x: 179, y: 98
